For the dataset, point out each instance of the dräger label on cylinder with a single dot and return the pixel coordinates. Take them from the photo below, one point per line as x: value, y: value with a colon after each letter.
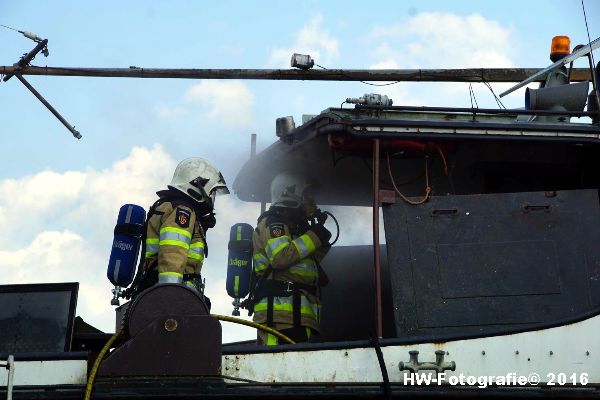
x: 119, y: 244
x: 237, y: 262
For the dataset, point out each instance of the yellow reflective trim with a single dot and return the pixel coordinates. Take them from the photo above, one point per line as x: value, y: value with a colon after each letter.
x: 176, y: 230
x: 306, y: 310
x: 272, y: 340
x: 297, y: 248
x: 191, y: 285
x: 174, y: 243
x: 260, y: 267
x: 277, y: 250
x: 171, y: 274
x: 238, y: 235
x: 195, y: 256
x: 236, y: 285
x: 197, y: 245
x: 275, y: 245
x: 149, y: 254
x: 309, y: 243
x: 307, y: 274
x: 152, y: 240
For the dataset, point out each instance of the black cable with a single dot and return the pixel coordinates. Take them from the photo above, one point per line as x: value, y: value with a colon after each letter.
x: 366, y: 83
x: 8, y: 27
x: 489, y: 86
x: 387, y: 389
x: 588, y: 34
x: 472, y: 95
x: 337, y: 225
x: 233, y: 378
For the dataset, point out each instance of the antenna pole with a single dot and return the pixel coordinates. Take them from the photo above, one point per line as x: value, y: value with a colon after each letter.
x: 71, y: 129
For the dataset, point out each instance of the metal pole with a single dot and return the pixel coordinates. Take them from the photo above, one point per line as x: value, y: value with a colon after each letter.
x: 540, y: 75
x: 390, y: 75
x: 376, y: 255
x: 594, y: 81
x: 49, y: 106
x: 263, y: 205
x: 26, y: 59
x: 9, y: 364
x: 252, y: 145
x: 11, y: 376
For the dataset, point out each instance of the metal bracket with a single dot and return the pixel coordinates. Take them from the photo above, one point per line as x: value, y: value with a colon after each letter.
x: 414, y: 366
x: 9, y: 364
x: 387, y: 196
x: 117, y: 292
x: 236, y: 306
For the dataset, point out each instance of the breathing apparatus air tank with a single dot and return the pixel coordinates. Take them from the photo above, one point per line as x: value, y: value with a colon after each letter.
x: 125, y: 248
x: 239, y: 265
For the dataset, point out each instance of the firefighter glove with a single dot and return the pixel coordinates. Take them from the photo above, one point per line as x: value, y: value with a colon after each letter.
x: 322, y: 233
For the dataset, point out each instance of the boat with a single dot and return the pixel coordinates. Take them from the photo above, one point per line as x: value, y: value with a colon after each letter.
x: 487, y: 284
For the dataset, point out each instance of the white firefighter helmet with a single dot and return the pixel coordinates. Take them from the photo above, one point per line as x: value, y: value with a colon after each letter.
x: 198, y: 179
x: 287, y: 189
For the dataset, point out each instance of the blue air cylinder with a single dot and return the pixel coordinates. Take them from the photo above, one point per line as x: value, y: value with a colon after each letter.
x: 126, y: 245
x: 239, y: 265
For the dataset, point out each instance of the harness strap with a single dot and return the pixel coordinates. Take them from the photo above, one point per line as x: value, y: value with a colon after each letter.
x: 270, y: 310
x: 271, y: 287
x: 296, y: 308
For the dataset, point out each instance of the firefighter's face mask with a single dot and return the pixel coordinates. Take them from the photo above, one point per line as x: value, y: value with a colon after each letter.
x: 200, y: 194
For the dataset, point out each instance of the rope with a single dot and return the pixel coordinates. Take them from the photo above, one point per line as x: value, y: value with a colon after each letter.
x: 406, y: 199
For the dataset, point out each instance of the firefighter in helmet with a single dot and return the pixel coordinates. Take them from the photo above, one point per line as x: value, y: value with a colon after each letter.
x: 287, y: 254
x: 175, y: 244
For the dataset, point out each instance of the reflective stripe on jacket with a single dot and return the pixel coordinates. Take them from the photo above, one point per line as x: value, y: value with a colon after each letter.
x: 293, y: 259
x: 177, y: 248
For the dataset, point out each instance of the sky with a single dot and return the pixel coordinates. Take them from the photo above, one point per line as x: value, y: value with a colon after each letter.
x: 59, y: 197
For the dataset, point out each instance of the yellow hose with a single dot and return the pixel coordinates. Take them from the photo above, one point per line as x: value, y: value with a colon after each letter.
x: 253, y: 325
x: 94, y: 371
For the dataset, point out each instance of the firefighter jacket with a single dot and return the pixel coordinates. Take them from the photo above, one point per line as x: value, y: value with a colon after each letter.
x: 283, y: 256
x: 175, y: 241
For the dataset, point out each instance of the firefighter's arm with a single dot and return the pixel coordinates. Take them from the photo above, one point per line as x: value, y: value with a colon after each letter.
x: 282, y: 251
x: 259, y: 259
x: 175, y: 236
x: 195, y: 256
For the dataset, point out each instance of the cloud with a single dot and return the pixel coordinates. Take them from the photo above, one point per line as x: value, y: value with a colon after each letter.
x: 311, y: 39
x: 65, y: 223
x: 228, y: 102
x: 441, y: 40
x: 23, y: 202
x: 444, y: 40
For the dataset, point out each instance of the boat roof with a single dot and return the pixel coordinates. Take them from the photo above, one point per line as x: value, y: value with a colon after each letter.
x: 306, y: 149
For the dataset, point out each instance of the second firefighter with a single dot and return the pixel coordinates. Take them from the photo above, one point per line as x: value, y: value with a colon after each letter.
x: 287, y: 255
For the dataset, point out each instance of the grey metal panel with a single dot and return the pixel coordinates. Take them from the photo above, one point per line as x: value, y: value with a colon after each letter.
x: 37, y: 318
x: 492, y: 262
x: 497, y: 276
